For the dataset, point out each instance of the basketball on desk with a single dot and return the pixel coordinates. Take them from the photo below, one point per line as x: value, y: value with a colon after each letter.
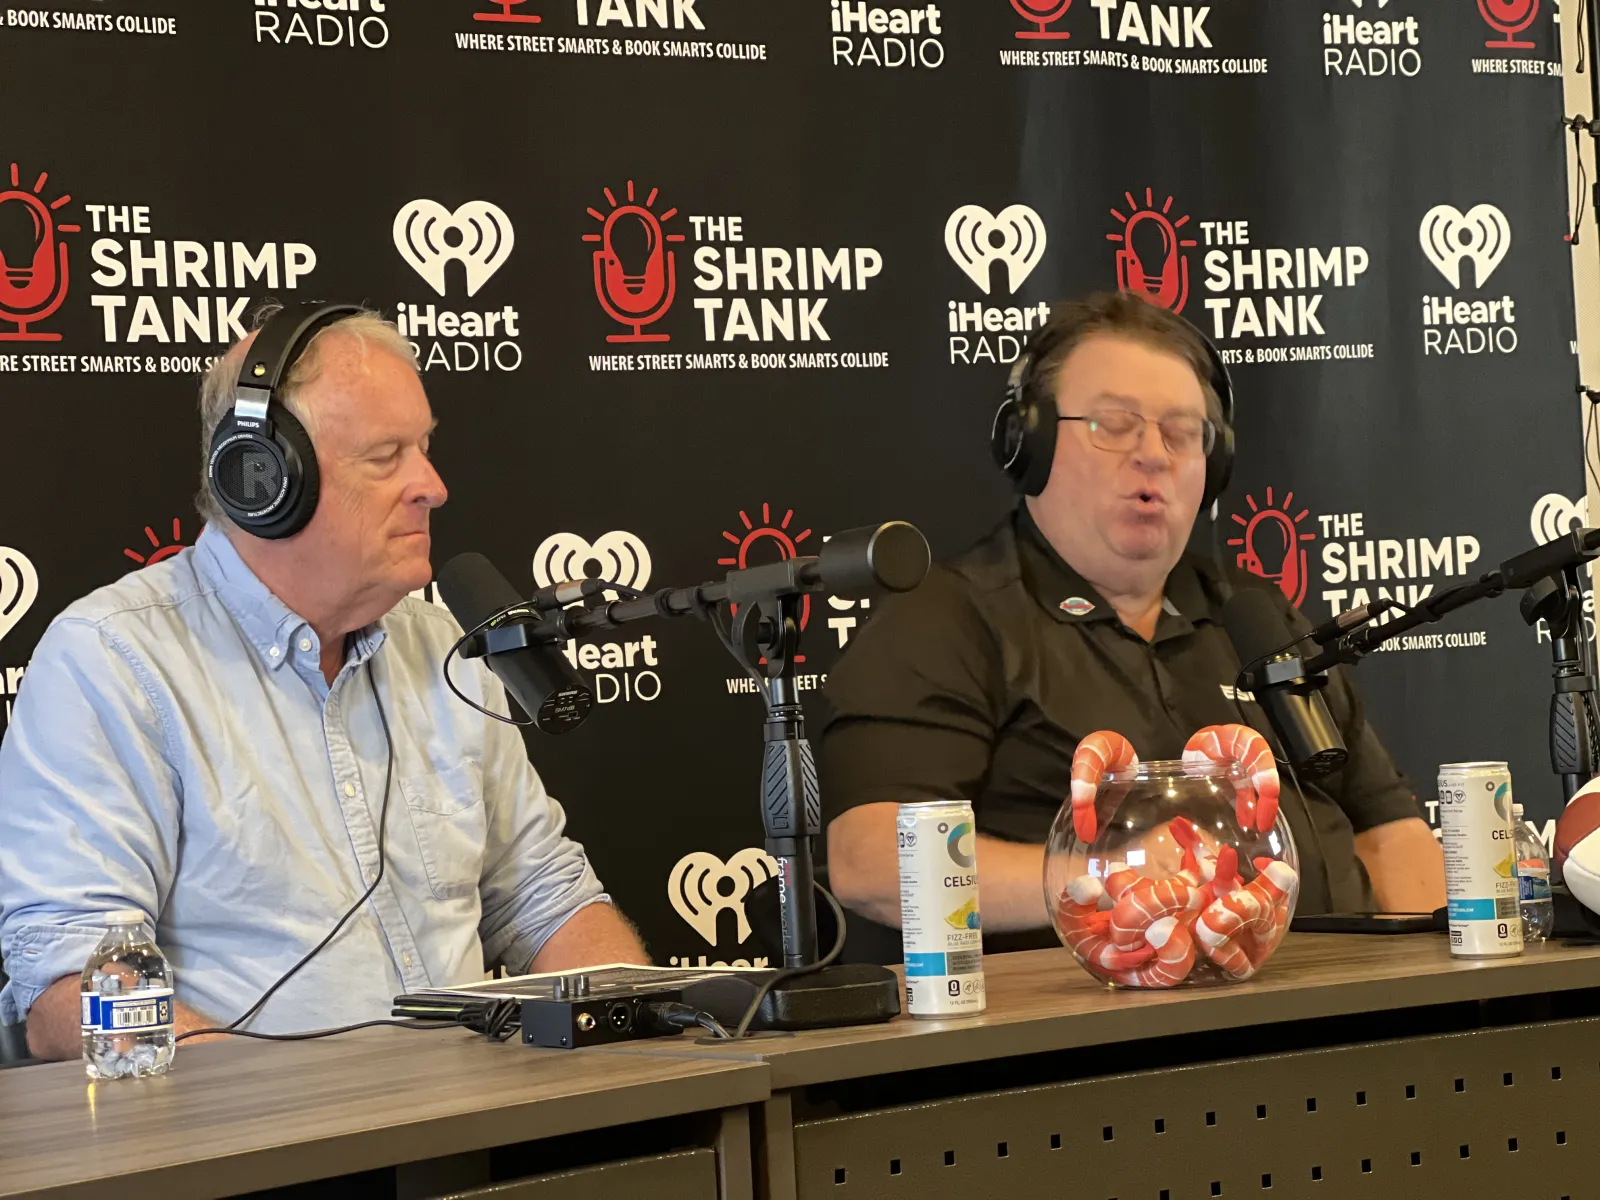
x: 1173, y: 889
x: 1577, y: 846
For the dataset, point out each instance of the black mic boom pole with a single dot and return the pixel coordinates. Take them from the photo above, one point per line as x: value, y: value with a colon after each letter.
x: 764, y: 635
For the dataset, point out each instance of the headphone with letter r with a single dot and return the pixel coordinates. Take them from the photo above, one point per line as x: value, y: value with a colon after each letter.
x: 263, y: 469
x: 1022, y: 440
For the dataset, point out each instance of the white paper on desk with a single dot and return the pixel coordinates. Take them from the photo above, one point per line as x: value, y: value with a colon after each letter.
x: 609, y: 976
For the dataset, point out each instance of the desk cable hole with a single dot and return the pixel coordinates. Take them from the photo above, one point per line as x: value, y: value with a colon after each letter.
x: 1561, y: 1137
x: 1161, y: 1125
x: 1505, y: 1080
x: 1055, y: 1141
x: 1216, y: 1188
x: 1316, y: 1174
x: 1166, y: 1194
x: 1311, y: 1104
x: 894, y: 1166
x: 1466, y: 1152
x: 949, y: 1158
x: 1555, y: 1072
x: 1366, y: 1166
x: 1461, y: 1085
x: 1416, y: 1158
x: 1107, y: 1134
x: 1511, y: 1145
x: 1266, y: 1183
x: 839, y: 1176
x: 1361, y: 1099
x: 1002, y: 1150
x: 1211, y: 1118
x: 1261, y: 1112
x: 1411, y: 1091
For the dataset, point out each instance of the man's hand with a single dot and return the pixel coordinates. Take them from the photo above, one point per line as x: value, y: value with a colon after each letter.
x: 1405, y: 863
x: 55, y: 1029
x: 864, y: 871
x: 593, y: 935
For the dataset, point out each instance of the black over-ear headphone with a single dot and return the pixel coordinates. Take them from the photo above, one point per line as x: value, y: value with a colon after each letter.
x: 1023, y: 438
x: 263, y: 468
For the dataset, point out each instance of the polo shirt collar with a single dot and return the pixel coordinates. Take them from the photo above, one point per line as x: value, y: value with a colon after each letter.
x: 1071, y: 599
x: 1066, y: 595
x: 272, y: 628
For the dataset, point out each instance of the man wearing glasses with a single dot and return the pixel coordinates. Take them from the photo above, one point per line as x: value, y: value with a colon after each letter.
x: 1082, y: 611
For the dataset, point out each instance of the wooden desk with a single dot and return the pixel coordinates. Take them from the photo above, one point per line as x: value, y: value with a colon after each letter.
x: 1353, y: 1066
x: 241, y: 1116
x: 1042, y: 1001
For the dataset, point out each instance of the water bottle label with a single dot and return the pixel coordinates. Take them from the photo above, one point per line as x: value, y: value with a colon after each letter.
x: 1533, y: 885
x: 140, y: 1011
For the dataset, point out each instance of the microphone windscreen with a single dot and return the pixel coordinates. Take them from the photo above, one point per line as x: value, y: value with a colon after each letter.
x: 474, y: 590
x: 1255, y: 626
x: 889, y: 557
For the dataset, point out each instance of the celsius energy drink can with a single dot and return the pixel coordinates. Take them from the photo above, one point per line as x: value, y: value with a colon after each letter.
x: 1480, y: 859
x: 939, y: 924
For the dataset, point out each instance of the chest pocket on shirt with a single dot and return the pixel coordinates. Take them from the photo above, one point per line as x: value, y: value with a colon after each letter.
x: 448, y: 815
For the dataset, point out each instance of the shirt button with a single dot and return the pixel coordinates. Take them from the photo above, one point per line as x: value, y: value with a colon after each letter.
x: 407, y: 960
x: 305, y: 643
x: 349, y: 789
x: 273, y: 652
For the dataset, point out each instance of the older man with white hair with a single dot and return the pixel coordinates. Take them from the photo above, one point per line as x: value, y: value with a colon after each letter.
x: 252, y: 742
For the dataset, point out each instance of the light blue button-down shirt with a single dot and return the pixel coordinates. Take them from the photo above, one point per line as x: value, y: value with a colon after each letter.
x: 175, y: 748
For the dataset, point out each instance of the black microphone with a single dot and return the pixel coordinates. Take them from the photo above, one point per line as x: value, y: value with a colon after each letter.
x: 1291, y: 699
x: 538, y: 677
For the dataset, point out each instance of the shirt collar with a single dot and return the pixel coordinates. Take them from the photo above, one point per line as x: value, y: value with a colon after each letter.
x: 1070, y: 599
x: 1067, y: 596
x: 276, y: 631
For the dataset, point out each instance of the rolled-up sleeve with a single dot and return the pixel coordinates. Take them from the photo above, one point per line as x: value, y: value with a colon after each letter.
x: 534, y: 877
x: 88, y: 807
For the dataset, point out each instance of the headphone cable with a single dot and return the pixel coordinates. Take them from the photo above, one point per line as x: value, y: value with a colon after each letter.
x: 383, y: 822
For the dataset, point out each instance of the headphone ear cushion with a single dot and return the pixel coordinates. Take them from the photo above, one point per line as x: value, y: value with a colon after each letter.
x: 287, y: 442
x: 1039, y: 442
x: 1219, y: 466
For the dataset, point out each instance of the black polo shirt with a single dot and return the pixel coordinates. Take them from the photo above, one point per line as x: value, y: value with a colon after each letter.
x: 981, y: 682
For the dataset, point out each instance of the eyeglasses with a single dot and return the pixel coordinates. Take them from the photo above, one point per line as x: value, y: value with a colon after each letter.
x: 1118, y: 430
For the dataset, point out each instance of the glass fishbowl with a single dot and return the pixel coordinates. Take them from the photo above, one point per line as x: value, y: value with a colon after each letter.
x: 1172, y: 891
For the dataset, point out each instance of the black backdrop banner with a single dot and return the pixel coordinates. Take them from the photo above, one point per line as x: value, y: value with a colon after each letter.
x: 696, y: 283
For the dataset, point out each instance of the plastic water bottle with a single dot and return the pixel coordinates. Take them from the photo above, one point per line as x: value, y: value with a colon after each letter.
x: 1533, y: 880
x: 127, y: 1002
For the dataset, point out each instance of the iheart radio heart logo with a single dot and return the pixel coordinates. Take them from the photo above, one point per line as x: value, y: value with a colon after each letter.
x: 702, y: 887
x: 977, y: 238
x: 979, y: 241
x: 33, y: 258
x: 1449, y: 237
x: 624, y: 670
x: 470, y: 244
x: 1270, y: 544
x: 617, y: 557
x: 1457, y: 324
x: 635, y: 274
x: 1151, y: 260
x: 19, y: 588
x: 430, y: 237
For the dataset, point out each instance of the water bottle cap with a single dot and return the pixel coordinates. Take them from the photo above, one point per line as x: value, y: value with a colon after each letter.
x: 1516, y: 810
x: 125, y: 916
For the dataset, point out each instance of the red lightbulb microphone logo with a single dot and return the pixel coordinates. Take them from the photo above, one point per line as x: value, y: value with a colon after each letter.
x: 635, y: 275
x: 1270, y: 545
x: 780, y: 545
x: 1151, y: 261
x: 505, y: 13
x: 1509, y: 17
x: 33, y: 260
x: 158, y: 552
x: 1042, y: 13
